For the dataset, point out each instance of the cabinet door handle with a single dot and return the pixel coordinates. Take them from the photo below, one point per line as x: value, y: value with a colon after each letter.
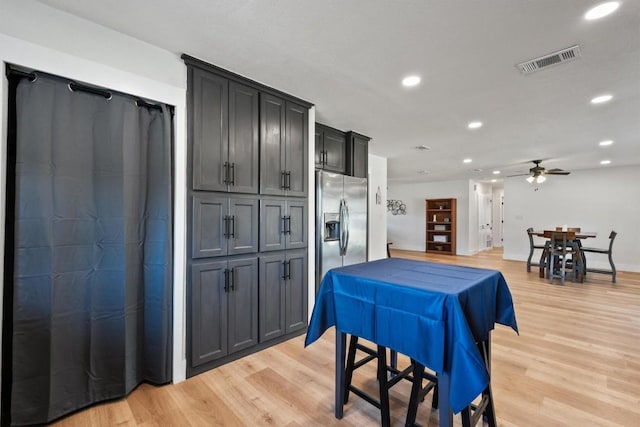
x: 232, y: 279
x: 286, y: 266
x: 226, y: 280
x: 287, y: 180
x: 284, y: 225
x: 232, y: 174
x: 226, y: 173
x: 325, y: 155
x: 287, y: 229
x: 283, y: 180
x: 232, y: 232
x: 226, y: 226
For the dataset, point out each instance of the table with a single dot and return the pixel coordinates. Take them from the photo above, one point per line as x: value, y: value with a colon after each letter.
x: 580, y: 235
x: 433, y: 313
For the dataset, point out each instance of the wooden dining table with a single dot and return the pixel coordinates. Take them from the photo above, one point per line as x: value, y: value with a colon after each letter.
x: 579, y: 235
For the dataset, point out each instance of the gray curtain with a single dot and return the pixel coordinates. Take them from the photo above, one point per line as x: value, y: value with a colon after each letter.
x: 92, y: 296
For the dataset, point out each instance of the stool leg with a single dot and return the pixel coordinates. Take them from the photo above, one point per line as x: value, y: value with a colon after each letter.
x: 415, y: 392
x: 351, y: 357
x: 613, y: 268
x: 434, y: 399
x: 465, y: 414
x: 385, y: 414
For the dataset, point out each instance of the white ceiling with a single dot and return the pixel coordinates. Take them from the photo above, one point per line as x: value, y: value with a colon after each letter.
x: 349, y: 56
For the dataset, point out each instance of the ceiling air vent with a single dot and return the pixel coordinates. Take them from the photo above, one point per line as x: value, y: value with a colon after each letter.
x: 564, y: 55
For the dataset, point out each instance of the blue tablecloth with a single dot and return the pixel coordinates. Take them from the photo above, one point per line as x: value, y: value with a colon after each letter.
x: 431, y: 312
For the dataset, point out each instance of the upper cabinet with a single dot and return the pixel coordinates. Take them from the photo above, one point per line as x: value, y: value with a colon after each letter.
x: 225, y: 134
x: 357, y: 154
x: 330, y: 149
x: 283, y: 155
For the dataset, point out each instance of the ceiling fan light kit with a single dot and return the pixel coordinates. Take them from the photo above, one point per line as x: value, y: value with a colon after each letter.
x: 538, y: 173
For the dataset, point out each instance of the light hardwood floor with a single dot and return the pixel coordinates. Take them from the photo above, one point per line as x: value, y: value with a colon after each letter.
x: 576, y: 362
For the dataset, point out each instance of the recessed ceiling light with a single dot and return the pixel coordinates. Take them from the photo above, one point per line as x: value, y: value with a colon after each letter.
x: 605, y: 143
x: 410, y: 81
x: 605, y: 162
x: 467, y: 160
x: 602, y: 98
x: 474, y: 125
x: 496, y: 172
x: 601, y: 10
x: 494, y: 180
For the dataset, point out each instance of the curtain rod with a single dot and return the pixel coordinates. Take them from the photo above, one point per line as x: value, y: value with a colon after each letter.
x: 13, y: 70
x: 25, y: 74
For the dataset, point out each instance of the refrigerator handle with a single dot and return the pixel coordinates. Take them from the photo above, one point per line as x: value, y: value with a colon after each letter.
x: 346, y: 223
x: 342, y: 226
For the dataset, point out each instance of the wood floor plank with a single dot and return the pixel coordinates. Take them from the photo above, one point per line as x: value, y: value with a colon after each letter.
x: 576, y: 362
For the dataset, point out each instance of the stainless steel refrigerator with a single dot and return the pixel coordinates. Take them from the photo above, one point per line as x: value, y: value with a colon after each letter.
x: 341, y: 221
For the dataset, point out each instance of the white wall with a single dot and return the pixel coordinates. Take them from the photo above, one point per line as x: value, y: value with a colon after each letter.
x: 377, y: 213
x: 599, y: 200
x: 408, y: 231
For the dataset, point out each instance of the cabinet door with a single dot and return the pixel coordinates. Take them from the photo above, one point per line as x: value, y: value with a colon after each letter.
x: 272, y: 297
x: 272, y: 224
x: 243, y: 303
x: 208, y: 312
x: 296, y: 224
x: 296, y: 149
x: 359, y: 155
x: 208, y: 234
x: 334, y: 147
x: 272, y: 144
x: 319, y: 147
x: 243, y: 225
x: 296, y: 291
x: 243, y: 138
x: 210, y: 130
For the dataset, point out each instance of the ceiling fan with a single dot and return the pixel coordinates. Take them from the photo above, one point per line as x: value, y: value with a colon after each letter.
x: 537, y: 173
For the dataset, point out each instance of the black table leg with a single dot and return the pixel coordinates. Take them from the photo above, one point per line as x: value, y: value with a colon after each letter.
x: 341, y: 343
x: 385, y: 414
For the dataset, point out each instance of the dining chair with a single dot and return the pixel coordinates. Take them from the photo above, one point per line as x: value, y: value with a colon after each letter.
x: 533, y: 247
x: 561, y: 247
x: 608, y: 252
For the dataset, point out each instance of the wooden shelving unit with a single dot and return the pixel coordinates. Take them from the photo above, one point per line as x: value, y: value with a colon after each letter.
x: 441, y: 226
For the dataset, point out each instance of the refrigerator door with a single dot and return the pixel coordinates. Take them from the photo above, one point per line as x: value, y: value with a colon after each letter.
x: 355, y: 194
x: 329, y: 188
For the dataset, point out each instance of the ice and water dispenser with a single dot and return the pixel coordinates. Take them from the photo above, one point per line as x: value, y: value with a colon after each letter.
x: 331, y: 227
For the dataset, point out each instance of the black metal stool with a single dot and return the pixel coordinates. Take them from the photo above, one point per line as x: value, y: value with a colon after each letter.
x: 388, y: 376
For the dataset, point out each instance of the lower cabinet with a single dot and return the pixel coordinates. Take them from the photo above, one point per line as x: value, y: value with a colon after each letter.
x: 283, y: 293
x: 224, y: 308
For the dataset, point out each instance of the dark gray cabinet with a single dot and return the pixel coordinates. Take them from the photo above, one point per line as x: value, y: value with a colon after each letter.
x: 224, y: 225
x: 330, y: 149
x: 225, y: 134
x: 283, y: 293
x: 284, y: 224
x: 357, y: 154
x: 224, y: 308
x: 248, y: 166
x: 283, y: 147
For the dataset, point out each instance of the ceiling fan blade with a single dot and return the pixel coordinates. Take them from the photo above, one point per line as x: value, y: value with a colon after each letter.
x: 557, y: 172
x: 519, y: 174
